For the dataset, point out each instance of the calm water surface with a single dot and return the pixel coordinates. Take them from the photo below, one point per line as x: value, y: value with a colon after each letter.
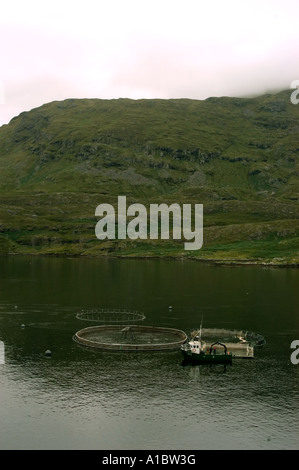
x: 86, y: 399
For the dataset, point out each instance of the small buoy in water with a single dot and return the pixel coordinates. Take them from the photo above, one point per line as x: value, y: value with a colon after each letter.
x: 23, y: 326
x: 48, y: 353
x: 170, y: 307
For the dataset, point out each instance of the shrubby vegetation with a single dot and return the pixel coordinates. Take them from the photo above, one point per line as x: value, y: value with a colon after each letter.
x: 239, y: 157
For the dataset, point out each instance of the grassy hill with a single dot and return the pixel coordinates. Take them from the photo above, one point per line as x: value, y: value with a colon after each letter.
x: 239, y: 157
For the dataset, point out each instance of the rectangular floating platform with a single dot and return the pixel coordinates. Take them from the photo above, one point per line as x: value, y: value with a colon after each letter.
x: 237, y: 350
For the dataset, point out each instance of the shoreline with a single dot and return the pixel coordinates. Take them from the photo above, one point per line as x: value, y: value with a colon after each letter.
x: 209, y: 261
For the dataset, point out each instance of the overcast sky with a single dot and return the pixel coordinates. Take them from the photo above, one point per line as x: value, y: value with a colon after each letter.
x: 58, y: 49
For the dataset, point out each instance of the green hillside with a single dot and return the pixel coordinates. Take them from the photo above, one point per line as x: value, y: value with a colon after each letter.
x: 237, y: 156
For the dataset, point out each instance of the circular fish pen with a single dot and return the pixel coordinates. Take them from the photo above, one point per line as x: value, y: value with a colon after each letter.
x: 130, y: 338
x: 109, y: 316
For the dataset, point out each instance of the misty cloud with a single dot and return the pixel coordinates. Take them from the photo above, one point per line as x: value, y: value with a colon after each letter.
x: 59, y: 50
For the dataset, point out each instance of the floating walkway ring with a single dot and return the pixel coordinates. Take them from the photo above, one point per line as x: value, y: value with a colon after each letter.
x: 131, y: 338
x: 111, y: 315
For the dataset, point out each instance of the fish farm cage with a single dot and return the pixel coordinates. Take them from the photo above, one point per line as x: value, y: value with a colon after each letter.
x: 130, y: 338
x: 111, y: 315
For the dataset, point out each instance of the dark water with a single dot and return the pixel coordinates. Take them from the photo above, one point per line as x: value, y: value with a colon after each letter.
x: 86, y: 399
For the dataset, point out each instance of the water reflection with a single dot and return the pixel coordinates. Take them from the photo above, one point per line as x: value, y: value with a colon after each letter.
x: 81, y: 398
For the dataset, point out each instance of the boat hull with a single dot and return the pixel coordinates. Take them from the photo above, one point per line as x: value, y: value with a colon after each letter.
x: 206, y: 358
